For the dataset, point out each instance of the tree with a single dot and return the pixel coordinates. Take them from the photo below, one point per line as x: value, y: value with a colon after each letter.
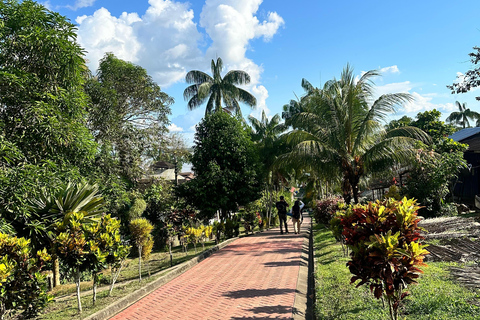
x: 214, y: 89
x: 42, y: 102
x: 128, y: 111
x: 342, y: 133
x: 471, y: 78
x: 226, y: 167
x: 404, y: 121
x: 429, y: 121
x: 462, y: 115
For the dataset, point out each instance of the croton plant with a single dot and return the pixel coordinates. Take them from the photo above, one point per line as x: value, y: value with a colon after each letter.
x: 385, y: 250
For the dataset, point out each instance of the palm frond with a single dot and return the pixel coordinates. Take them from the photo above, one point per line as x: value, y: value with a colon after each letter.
x: 197, y: 77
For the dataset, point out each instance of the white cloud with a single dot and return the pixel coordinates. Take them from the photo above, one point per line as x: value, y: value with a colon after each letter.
x: 174, y: 128
x: 261, y: 93
x: 81, y: 4
x: 420, y: 102
x: 101, y: 33
x: 391, y: 69
x: 163, y: 40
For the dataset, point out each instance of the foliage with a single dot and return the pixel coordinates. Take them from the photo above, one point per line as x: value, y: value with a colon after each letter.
x: 232, y: 227
x: 42, y: 103
x: 341, y: 133
x: 22, y: 287
x: 226, y: 167
x: 128, y: 111
x: 470, y: 79
x: 429, y: 179
x: 404, y: 121
x: 218, y: 230
x: 325, y: 209
x: 385, y: 249
x: 140, y: 230
x: 429, y: 121
x: 216, y: 89
x: 393, y: 192
x: 438, y: 296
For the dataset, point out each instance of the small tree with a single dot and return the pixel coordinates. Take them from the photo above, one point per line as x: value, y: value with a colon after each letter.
x: 72, y: 248
x: 140, y: 230
x: 194, y: 235
x: 385, y: 249
x: 21, y: 285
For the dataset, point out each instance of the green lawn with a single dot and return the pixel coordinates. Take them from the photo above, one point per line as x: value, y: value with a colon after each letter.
x: 436, y: 296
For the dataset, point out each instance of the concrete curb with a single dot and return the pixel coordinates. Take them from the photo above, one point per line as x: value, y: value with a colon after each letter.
x: 302, y: 307
x: 173, y: 272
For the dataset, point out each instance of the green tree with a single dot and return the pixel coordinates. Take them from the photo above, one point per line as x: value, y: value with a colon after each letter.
x: 404, y: 121
x: 342, y: 133
x: 214, y: 89
x: 462, y: 115
x: 128, y: 112
x: 226, y: 167
x: 429, y: 121
x: 471, y: 78
x: 42, y: 102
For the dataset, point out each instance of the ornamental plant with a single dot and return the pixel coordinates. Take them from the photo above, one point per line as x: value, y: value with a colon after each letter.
x: 22, y: 287
x: 140, y: 230
x: 194, y: 235
x: 325, y: 209
x: 385, y: 251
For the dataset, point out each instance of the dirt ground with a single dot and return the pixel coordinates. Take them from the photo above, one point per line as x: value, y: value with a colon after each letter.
x: 456, y: 239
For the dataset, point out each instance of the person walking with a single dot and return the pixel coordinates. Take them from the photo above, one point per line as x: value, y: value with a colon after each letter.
x: 282, y: 213
x: 297, y: 215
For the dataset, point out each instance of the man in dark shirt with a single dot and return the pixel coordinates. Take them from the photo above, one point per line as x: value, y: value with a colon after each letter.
x: 282, y: 213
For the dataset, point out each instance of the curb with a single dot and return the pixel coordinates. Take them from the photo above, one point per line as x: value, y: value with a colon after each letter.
x: 303, y: 305
x: 173, y: 272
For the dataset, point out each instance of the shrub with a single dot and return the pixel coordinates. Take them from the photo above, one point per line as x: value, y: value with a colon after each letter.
x: 21, y: 284
x: 324, y: 209
x: 140, y: 230
x: 385, y: 252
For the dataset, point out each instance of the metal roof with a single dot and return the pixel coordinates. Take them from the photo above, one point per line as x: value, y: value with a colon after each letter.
x: 464, y: 134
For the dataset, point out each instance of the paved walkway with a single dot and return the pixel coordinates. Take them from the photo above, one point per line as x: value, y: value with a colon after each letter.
x: 254, y: 277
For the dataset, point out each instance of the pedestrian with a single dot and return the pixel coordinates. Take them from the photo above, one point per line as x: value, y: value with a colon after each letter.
x: 297, y: 215
x: 282, y: 213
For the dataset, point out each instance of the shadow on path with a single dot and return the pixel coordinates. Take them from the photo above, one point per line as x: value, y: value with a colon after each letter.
x: 253, y: 293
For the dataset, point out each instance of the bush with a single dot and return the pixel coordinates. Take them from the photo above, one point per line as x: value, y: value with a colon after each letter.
x: 385, y: 252
x: 21, y: 285
x: 325, y: 209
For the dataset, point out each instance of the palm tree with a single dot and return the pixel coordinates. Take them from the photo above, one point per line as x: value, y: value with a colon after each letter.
x: 204, y: 88
x: 461, y: 116
x: 341, y: 133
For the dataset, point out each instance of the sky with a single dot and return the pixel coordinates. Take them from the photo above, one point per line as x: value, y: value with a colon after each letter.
x: 420, y: 47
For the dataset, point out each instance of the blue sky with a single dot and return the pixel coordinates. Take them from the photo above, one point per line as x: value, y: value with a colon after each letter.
x: 420, y: 46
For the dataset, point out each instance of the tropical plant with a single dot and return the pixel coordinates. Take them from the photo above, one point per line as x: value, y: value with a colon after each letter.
x: 22, y: 287
x: 470, y: 79
x: 385, y: 249
x: 342, y: 133
x: 462, y: 115
x: 214, y: 89
x: 72, y: 248
x: 140, y: 230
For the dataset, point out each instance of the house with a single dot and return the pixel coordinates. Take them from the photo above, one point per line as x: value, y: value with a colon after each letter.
x: 166, y: 171
x: 468, y: 184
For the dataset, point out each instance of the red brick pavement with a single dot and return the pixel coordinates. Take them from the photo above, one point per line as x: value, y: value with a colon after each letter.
x: 252, y: 278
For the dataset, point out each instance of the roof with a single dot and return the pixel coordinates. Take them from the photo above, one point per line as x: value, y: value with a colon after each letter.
x: 464, y: 134
x: 162, y: 165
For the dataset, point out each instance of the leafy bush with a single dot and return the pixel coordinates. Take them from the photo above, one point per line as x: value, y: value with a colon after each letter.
x: 385, y: 252
x: 21, y: 284
x: 232, y: 227
x: 324, y: 209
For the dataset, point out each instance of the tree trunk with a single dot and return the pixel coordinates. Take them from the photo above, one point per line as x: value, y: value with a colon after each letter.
x: 56, y: 271
x: 140, y: 263
x: 115, y: 274
x: 77, y: 282
x: 170, y: 251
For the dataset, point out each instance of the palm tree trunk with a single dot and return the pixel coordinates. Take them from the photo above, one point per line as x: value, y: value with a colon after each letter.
x: 56, y: 271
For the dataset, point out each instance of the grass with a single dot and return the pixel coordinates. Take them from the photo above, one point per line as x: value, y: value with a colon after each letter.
x: 437, y: 296
x: 65, y: 304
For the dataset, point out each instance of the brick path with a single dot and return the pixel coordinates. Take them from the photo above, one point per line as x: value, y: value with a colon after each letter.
x: 254, y: 277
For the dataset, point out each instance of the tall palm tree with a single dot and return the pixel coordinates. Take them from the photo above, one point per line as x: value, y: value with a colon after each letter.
x: 341, y: 133
x: 462, y: 115
x: 214, y: 89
